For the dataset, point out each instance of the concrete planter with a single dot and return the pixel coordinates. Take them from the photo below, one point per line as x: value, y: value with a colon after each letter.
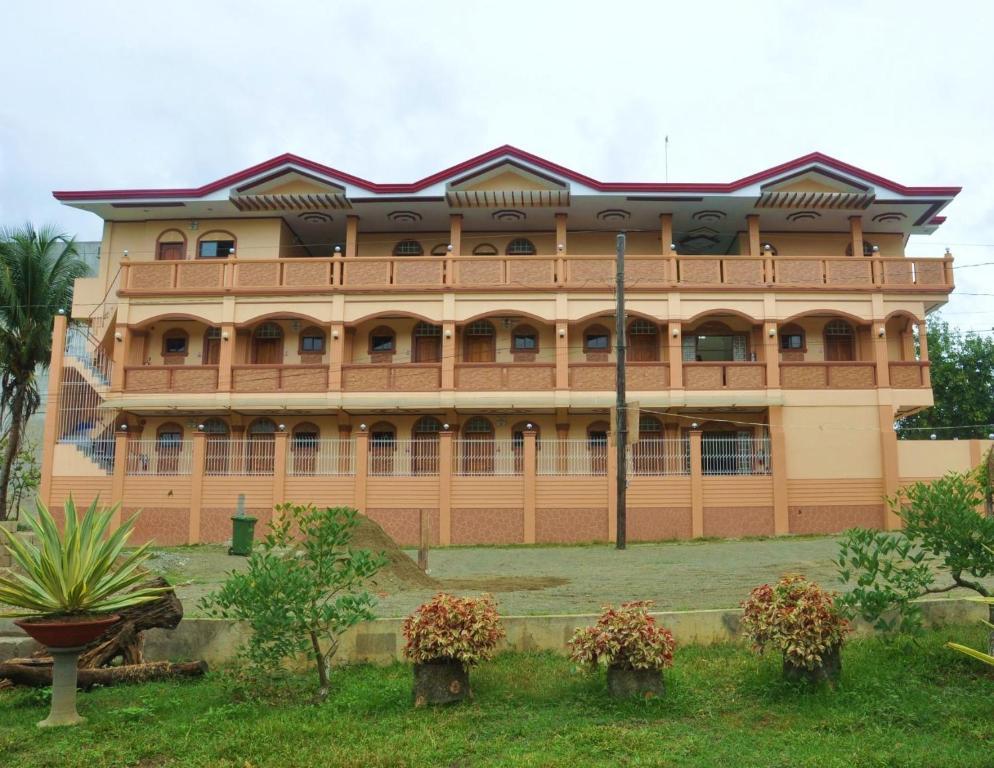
x: 623, y: 682
x: 443, y: 681
x: 828, y: 671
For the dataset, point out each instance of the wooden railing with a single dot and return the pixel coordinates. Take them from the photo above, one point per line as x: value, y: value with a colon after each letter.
x: 394, y: 377
x: 515, y: 377
x: 713, y: 375
x: 531, y: 272
x: 139, y: 379
x: 279, y: 378
x: 828, y: 375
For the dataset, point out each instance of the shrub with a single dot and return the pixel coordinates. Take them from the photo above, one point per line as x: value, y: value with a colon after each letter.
x: 796, y: 617
x: 464, y: 629
x: 626, y: 637
x: 79, y: 572
x: 302, y: 589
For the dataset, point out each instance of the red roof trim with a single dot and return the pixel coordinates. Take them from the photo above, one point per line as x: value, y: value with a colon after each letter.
x: 487, y: 157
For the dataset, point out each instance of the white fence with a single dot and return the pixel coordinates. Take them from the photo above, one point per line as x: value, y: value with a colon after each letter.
x: 735, y: 453
x: 254, y: 456
x: 160, y: 457
x: 571, y: 457
x: 654, y: 458
x: 321, y: 457
x: 476, y: 458
x: 403, y: 458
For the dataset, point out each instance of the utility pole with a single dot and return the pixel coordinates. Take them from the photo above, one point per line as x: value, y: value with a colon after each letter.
x: 621, y: 420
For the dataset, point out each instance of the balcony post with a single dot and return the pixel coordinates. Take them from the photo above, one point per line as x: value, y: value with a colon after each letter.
x: 122, y: 351
x: 281, y: 445
x: 612, y: 488
x: 120, y: 471
x: 562, y: 248
x: 923, y: 353
x: 778, y: 469
x: 666, y: 244
x: 856, y: 235
x: 562, y: 448
x: 448, y: 356
x: 752, y: 227
x: 562, y: 354
x: 771, y: 350
x: 336, y: 356
x: 51, y: 433
x: 528, y: 470
x: 361, y: 469
x: 445, y: 487
x: 888, y: 462
x: 880, y: 353
x: 225, y: 356
x: 197, y: 469
x: 674, y: 340
x: 455, y: 240
x: 351, y: 236
x: 696, y: 485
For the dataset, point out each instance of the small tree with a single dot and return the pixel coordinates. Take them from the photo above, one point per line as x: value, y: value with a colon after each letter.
x: 944, y: 545
x: 25, y: 476
x: 302, y: 589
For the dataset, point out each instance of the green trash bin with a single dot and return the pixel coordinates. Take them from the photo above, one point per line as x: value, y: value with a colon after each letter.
x: 242, y: 533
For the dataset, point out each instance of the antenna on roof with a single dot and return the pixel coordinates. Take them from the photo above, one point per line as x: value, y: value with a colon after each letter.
x: 666, y: 152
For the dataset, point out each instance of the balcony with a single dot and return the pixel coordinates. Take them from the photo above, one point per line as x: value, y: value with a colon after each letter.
x: 724, y: 375
x: 170, y: 378
x: 279, y: 378
x: 514, y: 377
x: 601, y: 376
x: 392, y: 377
x: 644, y: 272
x: 828, y: 375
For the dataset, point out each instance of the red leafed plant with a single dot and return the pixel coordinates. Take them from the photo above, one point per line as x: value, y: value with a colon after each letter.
x: 625, y: 637
x: 796, y: 617
x: 464, y: 629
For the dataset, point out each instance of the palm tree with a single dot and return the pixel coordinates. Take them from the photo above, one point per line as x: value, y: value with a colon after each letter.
x: 37, y: 272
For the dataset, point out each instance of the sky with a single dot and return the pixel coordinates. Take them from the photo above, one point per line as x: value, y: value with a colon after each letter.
x: 128, y: 94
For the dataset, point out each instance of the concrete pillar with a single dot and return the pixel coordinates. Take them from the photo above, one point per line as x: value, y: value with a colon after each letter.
x: 336, y: 356
x: 771, y: 351
x: 752, y: 226
x: 923, y: 353
x: 675, y: 345
x: 778, y: 470
x: 562, y: 354
x: 351, y: 236
x: 445, y: 487
x: 455, y: 240
x: 696, y: 485
x: 562, y: 248
x: 361, y: 469
x: 666, y: 243
x: 51, y: 430
x: 448, y: 356
x: 197, y: 470
x: 888, y: 461
x: 528, y: 471
x: 856, y: 235
x: 117, y: 482
x: 280, y: 448
x: 225, y: 357
x: 880, y: 353
x: 122, y: 351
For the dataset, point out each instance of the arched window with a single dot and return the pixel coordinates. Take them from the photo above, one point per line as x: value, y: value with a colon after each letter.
x: 424, y: 448
x: 520, y: 247
x: 597, y: 340
x: 168, y: 445
x: 426, y: 343
x: 792, y: 339
x: 261, y: 448
x: 216, y: 450
x: 382, y: 343
x: 485, y: 249
x: 382, y: 447
x: 840, y: 341
x: 524, y: 340
x: 478, y: 447
x: 212, y: 347
x: 479, y: 342
x: 175, y: 346
x: 311, y: 342
x: 597, y: 447
x: 267, y: 344
x: 440, y: 250
x: 219, y: 244
x: 643, y: 341
x: 304, y: 448
x: 408, y: 248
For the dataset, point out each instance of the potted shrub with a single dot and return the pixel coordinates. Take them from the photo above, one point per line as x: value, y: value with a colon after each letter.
x: 801, y: 620
x: 68, y: 588
x: 631, y: 644
x: 446, y: 636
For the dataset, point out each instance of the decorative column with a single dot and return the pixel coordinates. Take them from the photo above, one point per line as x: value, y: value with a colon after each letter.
x: 562, y: 354
x: 888, y: 462
x: 51, y: 433
x: 923, y: 353
x: 445, y: 487
x: 351, y: 236
x: 562, y: 248
x: 667, y: 245
x: 122, y: 351
x: 225, y: 357
x: 336, y: 356
x: 361, y: 469
x: 281, y: 445
x: 675, y: 345
x: 448, y: 356
x: 752, y: 227
x: 528, y: 471
x: 771, y: 351
x: 455, y: 241
x: 120, y: 471
x: 197, y: 470
x: 856, y: 235
x: 696, y: 485
x: 778, y: 471
x: 880, y: 354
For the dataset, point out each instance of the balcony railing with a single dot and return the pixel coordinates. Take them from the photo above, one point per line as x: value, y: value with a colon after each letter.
x: 708, y: 375
x: 170, y: 378
x: 393, y: 377
x: 640, y: 376
x: 279, y: 378
x: 533, y: 272
x: 515, y: 377
x: 829, y: 375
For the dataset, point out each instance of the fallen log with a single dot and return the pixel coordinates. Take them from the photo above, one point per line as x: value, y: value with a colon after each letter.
x: 38, y: 673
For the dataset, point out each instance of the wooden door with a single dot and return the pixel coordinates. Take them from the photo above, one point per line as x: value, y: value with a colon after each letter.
x: 212, y: 349
x: 170, y: 252
x: 479, y: 349
x: 643, y: 347
x: 267, y: 351
x: 478, y: 447
x: 427, y: 349
x: 839, y: 348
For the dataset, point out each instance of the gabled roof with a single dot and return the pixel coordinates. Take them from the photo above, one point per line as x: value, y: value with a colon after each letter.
x: 481, y: 163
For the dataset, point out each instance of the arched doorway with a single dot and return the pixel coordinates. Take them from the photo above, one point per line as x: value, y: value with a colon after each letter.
x: 479, y: 342
x: 267, y: 344
x: 478, y: 447
x: 168, y: 444
x: 216, y: 449
x: 382, y: 448
x: 424, y: 446
x: 643, y: 341
x: 304, y: 448
x: 840, y: 341
x: 261, y: 448
x: 212, y: 347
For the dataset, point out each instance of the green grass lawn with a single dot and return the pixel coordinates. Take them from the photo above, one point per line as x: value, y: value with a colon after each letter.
x: 898, y: 705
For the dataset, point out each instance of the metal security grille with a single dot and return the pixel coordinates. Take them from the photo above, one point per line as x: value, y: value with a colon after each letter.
x: 408, y: 248
x: 659, y: 458
x: 403, y: 458
x: 160, y: 457
x: 478, y: 458
x: 427, y: 329
x: 332, y: 457
x: 735, y: 453
x: 571, y: 457
x: 521, y: 247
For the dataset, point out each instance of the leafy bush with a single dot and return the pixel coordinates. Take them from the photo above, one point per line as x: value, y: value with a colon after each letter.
x: 464, y: 629
x: 942, y: 531
x: 302, y: 588
x: 795, y: 617
x: 78, y: 572
x: 626, y: 637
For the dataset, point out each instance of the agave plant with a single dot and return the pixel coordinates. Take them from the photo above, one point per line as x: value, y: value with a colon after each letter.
x: 979, y: 655
x: 79, y: 572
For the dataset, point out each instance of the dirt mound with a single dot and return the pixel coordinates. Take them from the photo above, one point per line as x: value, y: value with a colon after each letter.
x: 401, y: 572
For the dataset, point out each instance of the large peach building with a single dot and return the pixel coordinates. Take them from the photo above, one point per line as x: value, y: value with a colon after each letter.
x: 441, y: 353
